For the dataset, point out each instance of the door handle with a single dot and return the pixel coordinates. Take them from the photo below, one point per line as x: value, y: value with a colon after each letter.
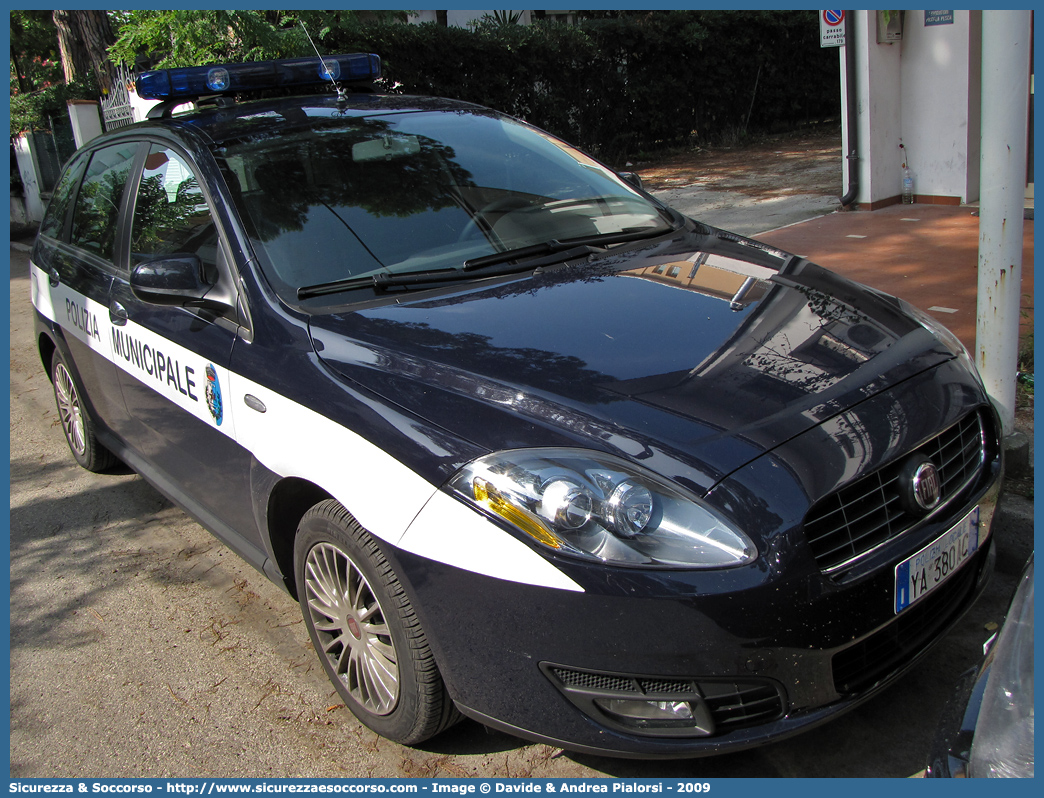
x: 54, y: 278
x: 117, y: 314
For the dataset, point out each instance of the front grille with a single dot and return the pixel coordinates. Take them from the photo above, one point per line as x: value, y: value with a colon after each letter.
x: 870, y: 660
x: 863, y: 515
x: 732, y: 705
x: 736, y: 705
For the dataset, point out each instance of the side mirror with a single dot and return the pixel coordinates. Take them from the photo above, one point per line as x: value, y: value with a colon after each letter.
x: 633, y: 179
x: 171, y: 280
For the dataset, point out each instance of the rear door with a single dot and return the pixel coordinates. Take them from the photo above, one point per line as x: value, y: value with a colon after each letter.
x: 75, y: 261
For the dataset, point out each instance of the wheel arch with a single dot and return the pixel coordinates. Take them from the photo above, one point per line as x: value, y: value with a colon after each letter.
x: 290, y: 498
x: 46, y: 348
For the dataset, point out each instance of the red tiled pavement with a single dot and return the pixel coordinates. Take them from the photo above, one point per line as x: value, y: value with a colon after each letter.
x: 925, y: 254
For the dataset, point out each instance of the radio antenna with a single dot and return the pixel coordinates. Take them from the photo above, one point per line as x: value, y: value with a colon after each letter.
x: 342, y: 94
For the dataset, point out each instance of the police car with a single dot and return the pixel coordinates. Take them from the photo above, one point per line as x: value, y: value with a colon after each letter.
x: 525, y: 444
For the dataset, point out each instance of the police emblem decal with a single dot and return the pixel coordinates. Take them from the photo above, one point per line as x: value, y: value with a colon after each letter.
x: 213, y: 394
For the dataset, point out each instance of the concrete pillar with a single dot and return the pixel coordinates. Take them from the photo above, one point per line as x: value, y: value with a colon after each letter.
x: 847, y: 139
x: 28, y: 171
x: 85, y: 116
x: 1006, y: 39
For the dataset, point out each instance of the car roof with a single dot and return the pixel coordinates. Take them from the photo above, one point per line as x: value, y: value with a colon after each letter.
x: 288, y: 114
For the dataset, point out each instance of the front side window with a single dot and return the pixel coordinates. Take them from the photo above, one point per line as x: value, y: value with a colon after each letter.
x: 97, y: 208
x: 171, y: 215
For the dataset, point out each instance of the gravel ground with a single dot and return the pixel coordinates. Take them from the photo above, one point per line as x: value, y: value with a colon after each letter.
x: 140, y: 646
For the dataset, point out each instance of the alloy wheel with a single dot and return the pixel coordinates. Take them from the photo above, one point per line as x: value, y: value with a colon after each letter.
x: 69, y: 410
x: 351, y: 626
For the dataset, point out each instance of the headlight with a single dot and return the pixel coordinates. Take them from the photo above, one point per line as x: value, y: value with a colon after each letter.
x: 1003, y: 742
x: 600, y: 507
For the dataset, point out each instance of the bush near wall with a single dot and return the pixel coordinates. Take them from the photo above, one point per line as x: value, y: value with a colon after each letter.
x: 38, y: 109
x: 621, y: 87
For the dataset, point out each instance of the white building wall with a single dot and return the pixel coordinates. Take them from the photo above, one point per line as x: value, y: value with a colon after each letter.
x: 939, y: 105
x: 878, y: 70
x: 140, y: 106
x: 923, y: 91
x: 461, y: 19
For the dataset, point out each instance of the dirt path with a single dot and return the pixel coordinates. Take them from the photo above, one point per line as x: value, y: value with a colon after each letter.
x: 808, y: 162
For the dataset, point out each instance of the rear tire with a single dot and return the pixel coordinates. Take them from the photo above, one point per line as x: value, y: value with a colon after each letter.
x: 76, y: 421
x: 365, y: 631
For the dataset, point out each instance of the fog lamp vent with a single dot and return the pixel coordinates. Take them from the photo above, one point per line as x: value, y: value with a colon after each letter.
x: 596, y: 681
x: 658, y: 707
x: 661, y: 686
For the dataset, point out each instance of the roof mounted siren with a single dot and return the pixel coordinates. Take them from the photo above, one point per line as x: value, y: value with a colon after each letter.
x: 187, y: 84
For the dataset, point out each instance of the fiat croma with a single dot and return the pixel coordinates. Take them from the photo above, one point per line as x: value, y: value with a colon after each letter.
x: 525, y: 444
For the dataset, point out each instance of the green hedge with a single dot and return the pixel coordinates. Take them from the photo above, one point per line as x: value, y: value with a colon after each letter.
x: 620, y: 87
x: 35, y: 110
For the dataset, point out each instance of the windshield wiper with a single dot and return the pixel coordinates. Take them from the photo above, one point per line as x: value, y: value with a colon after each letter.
x: 384, y: 280
x: 554, y: 245
x: 554, y: 251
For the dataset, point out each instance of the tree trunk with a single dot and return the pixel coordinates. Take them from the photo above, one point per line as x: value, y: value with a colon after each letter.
x: 98, y: 37
x: 75, y: 63
x: 23, y: 82
x: 83, y: 39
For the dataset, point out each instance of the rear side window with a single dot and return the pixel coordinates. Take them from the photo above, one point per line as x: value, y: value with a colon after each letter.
x: 171, y: 215
x: 53, y: 223
x: 97, y: 208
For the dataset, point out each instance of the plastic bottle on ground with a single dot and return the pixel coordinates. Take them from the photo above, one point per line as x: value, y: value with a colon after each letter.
x: 907, y: 186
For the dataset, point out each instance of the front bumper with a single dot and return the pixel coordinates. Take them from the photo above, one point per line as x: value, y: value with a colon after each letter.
x: 503, y: 647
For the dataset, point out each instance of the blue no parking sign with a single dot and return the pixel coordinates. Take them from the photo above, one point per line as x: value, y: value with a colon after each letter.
x: 831, y: 28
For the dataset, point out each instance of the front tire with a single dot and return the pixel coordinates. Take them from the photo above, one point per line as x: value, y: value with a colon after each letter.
x: 77, y: 423
x: 365, y: 631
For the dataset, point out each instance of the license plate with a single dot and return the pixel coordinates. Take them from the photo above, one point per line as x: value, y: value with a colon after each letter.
x: 919, y: 575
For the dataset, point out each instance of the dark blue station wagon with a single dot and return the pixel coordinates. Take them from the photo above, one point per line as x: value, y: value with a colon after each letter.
x: 526, y: 445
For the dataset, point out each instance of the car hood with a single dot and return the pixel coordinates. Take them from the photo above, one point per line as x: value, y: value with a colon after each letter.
x: 704, y: 349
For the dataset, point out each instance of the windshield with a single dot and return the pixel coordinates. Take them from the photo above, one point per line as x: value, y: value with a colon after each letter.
x: 413, y: 192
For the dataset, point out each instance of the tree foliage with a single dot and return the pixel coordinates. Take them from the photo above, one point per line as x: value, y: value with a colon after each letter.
x: 197, y: 37
x: 35, y: 60
x: 39, y: 87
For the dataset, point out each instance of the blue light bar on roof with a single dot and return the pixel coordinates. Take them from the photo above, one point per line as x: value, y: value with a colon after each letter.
x: 186, y: 82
